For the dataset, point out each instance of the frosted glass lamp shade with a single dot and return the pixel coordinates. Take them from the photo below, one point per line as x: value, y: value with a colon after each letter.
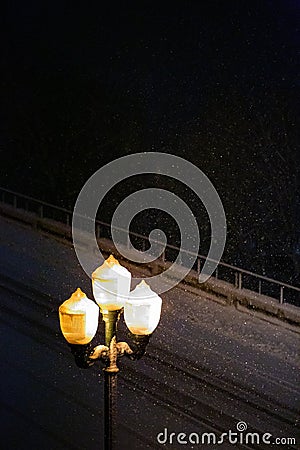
x: 142, y: 310
x: 78, y: 318
x: 111, y: 285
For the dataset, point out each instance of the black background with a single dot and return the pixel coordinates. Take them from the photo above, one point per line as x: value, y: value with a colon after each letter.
x: 214, y: 82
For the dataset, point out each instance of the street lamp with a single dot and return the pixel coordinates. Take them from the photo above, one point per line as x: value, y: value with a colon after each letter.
x: 79, y: 322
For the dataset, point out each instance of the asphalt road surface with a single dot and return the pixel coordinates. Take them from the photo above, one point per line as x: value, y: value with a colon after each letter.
x: 207, y: 368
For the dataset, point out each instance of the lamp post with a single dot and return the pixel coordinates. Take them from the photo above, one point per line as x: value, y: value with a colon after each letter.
x: 79, y: 322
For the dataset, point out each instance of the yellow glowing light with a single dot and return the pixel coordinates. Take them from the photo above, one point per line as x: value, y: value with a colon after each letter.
x: 108, y: 263
x: 78, y: 318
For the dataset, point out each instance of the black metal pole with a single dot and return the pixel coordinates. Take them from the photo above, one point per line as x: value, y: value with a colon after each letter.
x: 110, y: 379
x: 110, y: 405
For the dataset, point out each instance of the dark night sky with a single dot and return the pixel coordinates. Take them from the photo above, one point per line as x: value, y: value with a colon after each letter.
x: 171, y: 54
x: 83, y: 84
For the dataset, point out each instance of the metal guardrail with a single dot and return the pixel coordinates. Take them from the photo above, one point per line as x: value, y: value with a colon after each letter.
x: 238, y: 277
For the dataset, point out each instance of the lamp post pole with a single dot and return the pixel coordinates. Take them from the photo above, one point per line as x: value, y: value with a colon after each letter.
x: 111, y: 319
x: 110, y: 409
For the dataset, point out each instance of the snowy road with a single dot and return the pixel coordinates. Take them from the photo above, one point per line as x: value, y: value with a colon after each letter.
x: 207, y: 368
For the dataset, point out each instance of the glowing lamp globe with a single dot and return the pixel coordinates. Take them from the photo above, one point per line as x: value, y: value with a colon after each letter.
x: 142, y: 310
x: 111, y: 285
x: 78, y: 318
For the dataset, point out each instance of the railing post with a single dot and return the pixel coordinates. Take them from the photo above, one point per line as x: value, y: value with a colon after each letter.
x: 163, y: 255
x: 259, y: 286
x: 238, y: 280
x: 15, y: 201
x: 198, y: 265
x: 41, y: 211
x: 281, y: 294
x: 180, y: 258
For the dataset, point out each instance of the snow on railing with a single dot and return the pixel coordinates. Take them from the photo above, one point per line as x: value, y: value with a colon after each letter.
x: 240, y: 278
